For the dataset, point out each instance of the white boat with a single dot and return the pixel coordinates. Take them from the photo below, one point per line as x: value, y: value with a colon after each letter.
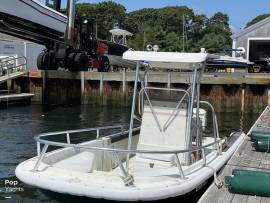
x: 117, y: 46
x: 34, y: 12
x: 167, y: 157
x: 118, y: 61
x: 228, y: 61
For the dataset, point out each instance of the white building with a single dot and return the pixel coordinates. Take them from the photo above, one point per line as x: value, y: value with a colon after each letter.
x: 11, y: 46
x: 255, y: 39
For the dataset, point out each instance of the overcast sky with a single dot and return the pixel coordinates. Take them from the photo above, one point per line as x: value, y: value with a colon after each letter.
x: 239, y: 11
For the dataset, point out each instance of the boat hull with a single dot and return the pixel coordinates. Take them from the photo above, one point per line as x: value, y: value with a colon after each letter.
x: 35, y: 12
x: 155, y: 185
x: 120, y: 62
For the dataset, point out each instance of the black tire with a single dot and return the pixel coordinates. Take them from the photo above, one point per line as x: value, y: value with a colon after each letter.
x: 43, y: 61
x: 70, y: 61
x: 81, y: 62
x: 39, y: 61
x: 105, y: 64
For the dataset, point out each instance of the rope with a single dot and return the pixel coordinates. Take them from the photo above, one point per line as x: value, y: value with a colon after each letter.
x: 217, y: 181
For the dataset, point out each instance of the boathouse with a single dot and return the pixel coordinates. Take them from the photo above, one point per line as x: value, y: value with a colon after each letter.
x: 255, y: 39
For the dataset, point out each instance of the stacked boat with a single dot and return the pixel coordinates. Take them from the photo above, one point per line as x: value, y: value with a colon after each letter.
x: 35, y: 12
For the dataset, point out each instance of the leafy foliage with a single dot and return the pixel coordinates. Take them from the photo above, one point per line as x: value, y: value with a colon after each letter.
x: 175, y: 28
x: 106, y: 14
x: 257, y: 19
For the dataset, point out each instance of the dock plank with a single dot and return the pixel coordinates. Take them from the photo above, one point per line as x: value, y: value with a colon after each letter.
x: 265, y: 200
x: 244, y: 158
x: 11, y: 76
x: 254, y: 199
x: 15, y: 97
x: 239, y: 198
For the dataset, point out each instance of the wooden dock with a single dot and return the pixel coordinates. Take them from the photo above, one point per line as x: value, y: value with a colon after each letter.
x: 245, y: 158
x: 12, y: 76
x: 15, y: 97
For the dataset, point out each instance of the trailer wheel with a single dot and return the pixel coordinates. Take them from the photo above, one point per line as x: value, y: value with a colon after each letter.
x: 81, y: 62
x: 105, y: 64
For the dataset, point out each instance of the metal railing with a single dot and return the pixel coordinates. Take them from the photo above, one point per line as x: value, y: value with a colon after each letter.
x: 127, y: 178
x: 176, y: 110
x: 214, y: 117
x: 9, y: 65
x: 69, y: 132
x: 173, y: 114
x: 141, y: 98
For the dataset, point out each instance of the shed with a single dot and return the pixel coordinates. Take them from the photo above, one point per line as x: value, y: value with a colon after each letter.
x: 13, y: 46
x: 255, y: 39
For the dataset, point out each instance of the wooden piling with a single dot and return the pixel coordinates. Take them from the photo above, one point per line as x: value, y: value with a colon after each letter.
x: 101, y: 84
x: 268, y: 95
x: 82, y: 87
x: 43, y: 75
x: 169, y: 80
x: 243, y: 87
x: 146, y: 81
x: 124, y: 81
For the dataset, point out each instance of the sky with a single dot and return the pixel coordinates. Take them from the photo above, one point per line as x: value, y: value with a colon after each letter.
x: 239, y: 11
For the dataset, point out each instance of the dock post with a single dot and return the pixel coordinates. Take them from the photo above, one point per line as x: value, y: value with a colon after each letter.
x: 146, y: 81
x: 44, y: 74
x: 9, y: 85
x: 169, y: 80
x: 268, y: 95
x: 101, y: 84
x: 124, y: 81
x: 82, y: 87
x: 243, y: 88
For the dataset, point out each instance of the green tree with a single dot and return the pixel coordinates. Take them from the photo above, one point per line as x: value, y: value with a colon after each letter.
x: 212, y: 42
x: 163, y: 26
x: 216, y: 35
x: 148, y: 35
x: 106, y: 13
x: 257, y: 19
x: 135, y: 20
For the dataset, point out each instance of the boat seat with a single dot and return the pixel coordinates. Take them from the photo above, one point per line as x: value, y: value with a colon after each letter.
x: 173, y: 138
x: 81, y: 162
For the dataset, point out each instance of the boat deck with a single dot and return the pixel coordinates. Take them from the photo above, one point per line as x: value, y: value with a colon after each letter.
x: 245, y: 158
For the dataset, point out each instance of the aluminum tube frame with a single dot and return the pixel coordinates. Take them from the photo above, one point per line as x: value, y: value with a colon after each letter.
x: 132, y: 113
x: 190, y: 115
x: 198, y: 131
x: 214, y: 118
x: 124, y: 151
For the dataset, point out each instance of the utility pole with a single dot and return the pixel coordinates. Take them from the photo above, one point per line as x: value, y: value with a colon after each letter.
x: 183, y: 33
x: 144, y: 40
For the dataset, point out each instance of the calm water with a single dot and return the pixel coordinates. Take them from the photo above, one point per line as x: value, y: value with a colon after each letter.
x: 18, y: 125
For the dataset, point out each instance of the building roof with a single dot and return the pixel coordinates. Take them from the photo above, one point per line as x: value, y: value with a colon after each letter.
x: 251, y: 28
